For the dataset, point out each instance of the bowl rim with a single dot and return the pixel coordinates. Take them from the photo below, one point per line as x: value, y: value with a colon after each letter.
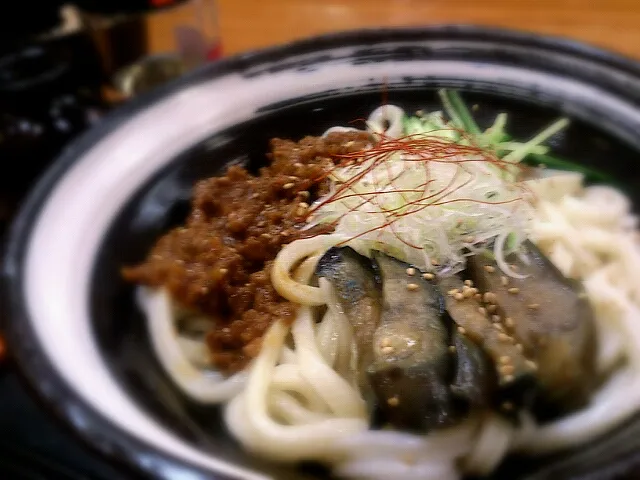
x: 114, y: 443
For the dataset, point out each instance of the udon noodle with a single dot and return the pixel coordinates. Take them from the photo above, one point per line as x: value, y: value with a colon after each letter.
x: 300, y: 398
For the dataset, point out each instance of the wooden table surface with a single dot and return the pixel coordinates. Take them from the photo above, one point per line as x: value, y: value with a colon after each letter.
x: 248, y: 24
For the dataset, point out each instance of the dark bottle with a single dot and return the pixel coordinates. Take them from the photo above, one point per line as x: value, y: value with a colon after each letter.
x: 124, y: 32
x: 119, y: 28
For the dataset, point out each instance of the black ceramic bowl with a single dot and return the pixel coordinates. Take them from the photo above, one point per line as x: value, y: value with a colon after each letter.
x: 72, y: 323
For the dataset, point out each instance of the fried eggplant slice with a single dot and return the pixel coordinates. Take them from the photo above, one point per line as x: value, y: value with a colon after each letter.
x: 551, y: 317
x: 359, y: 294
x: 475, y: 379
x: 412, y: 366
x: 515, y: 373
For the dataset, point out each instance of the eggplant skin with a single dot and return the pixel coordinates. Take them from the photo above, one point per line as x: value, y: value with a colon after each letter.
x: 412, y: 367
x: 351, y: 274
x: 413, y: 398
x: 550, y: 316
x: 475, y: 380
x: 358, y: 292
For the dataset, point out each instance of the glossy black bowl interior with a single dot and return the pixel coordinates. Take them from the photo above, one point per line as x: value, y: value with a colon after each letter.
x: 164, y: 202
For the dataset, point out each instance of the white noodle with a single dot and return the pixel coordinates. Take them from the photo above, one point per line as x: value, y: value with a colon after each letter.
x: 290, y: 255
x: 339, y: 130
x: 386, y: 120
x: 491, y: 445
x: 204, y: 387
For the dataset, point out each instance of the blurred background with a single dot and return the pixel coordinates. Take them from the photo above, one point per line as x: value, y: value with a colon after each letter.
x: 64, y: 65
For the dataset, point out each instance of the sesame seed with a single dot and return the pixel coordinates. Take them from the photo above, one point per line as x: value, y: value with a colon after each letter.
x: 435, y: 262
x: 452, y: 348
x: 504, y: 359
x: 482, y: 310
x: 533, y: 306
x: 507, y: 369
x: 508, y: 378
x: 489, y: 269
x: 412, y: 287
x: 492, y: 308
x: 287, y: 186
x: 459, y: 296
x: 519, y: 347
x: 452, y: 292
x: 504, y: 281
x: 428, y: 276
x: 490, y: 297
x: 498, y: 327
x: 503, y: 337
x: 468, y: 283
x: 408, y: 458
x: 461, y: 330
x: 495, y: 318
x: 469, y: 239
x: 411, y: 271
x: 532, y: 365
x: 304, y: 205
x: 514, y: 290
x: 385, y: 342
x: 393, y: 401
x: 297, y: 165
x: 387, y: 350
x: 509, y: 322
x: 223, y: 271
x: 304, y: 194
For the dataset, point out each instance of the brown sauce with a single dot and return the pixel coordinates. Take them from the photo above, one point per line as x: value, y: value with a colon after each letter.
x: 218, y: 263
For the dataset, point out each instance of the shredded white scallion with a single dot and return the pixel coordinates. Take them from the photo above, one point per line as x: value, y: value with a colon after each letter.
x: 424, y: 211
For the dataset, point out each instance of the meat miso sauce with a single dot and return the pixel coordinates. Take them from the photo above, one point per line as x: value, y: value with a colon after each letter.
x: 218, y: 262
